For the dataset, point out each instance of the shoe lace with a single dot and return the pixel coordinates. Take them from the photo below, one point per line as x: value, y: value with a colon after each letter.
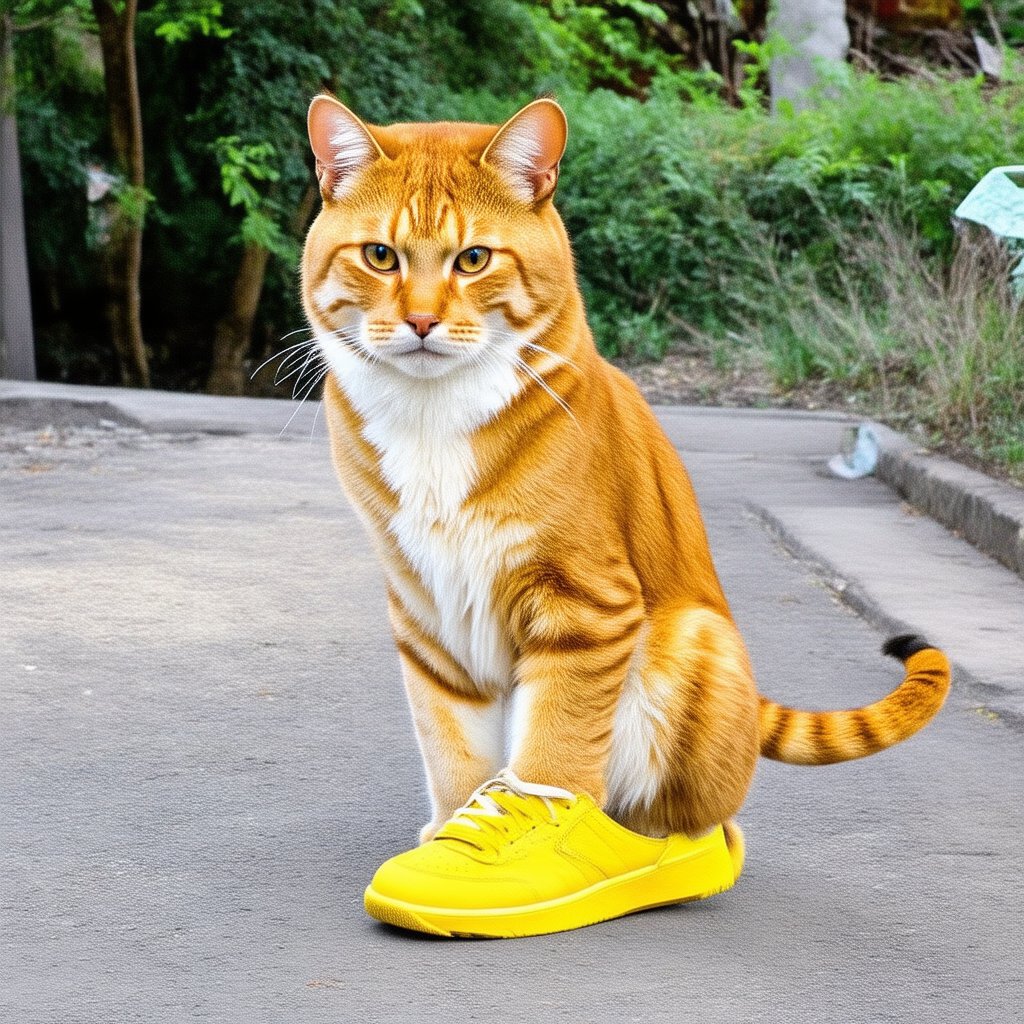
x: 502, y: 809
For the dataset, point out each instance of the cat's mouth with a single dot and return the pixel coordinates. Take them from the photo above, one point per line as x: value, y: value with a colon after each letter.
x: 422, y: 348
x: 423, y: 357
x: 425, y: 350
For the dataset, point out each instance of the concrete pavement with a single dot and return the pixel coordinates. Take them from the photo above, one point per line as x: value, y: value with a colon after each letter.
x: 205, y: 750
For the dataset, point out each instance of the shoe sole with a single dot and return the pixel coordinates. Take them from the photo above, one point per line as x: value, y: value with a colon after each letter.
x: 681, y: 881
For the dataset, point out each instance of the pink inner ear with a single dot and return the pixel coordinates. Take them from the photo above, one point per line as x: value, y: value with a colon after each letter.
x: 527, y: 148
x: 547, y: 125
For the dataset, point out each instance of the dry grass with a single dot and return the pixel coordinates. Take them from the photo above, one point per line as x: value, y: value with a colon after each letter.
x: 923, y: 342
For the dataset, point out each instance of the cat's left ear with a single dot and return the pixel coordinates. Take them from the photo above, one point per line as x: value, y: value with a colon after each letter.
x: 342, y: 144
x: 527, y: 148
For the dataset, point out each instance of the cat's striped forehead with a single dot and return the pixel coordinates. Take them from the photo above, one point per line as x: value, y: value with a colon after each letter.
x: 432, y: 192
x: 424, y: 220
x: 462, y: 137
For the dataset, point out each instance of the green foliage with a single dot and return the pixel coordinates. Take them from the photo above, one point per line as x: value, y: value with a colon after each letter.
x: 686, y: 214
x: 242, y: 165
x: 758, y: 59
x: 179, y: 21
x: 673, y: 204
x: 1008, y: 14
x: 133, y: 200
x: 585, y: 45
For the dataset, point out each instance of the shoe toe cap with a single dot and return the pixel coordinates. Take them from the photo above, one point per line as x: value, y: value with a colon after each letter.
x: 437, y: 875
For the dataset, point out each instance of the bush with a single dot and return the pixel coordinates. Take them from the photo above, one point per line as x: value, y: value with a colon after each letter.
x: 673, y: 204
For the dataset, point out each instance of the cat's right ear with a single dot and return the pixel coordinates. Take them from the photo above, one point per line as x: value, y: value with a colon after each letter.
x: 527, y: 148
x: 342, y: 144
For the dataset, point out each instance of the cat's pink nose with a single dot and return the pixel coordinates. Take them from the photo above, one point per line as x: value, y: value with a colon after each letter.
x: 421, y: 323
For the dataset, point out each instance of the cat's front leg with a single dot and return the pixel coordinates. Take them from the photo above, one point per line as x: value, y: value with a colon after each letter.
x: 460, y: 739
x: 576, y: 655
x: 460, y: 733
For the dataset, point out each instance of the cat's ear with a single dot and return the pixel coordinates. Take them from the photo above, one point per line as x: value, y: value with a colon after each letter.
x: 527, y: 148
x: 342, y: 144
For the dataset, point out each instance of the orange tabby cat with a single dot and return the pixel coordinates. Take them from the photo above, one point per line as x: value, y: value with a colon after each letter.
x: 546, y: 561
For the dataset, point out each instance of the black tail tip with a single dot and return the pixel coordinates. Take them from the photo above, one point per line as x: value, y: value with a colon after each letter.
x: 904, y: 646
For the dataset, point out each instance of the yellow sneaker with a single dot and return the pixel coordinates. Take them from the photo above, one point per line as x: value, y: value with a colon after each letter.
x: 523, y: 859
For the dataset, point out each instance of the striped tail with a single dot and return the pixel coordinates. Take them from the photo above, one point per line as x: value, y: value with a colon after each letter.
x: 827, y: 737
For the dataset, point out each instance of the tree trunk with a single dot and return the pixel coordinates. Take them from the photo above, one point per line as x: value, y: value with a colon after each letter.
x: 816, y: 30
x: 122, y: 256
x: 232, y: 337
x: 233, y: 333
x: 17, y: 349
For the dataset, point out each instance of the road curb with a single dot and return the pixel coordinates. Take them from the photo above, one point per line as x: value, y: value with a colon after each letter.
x: 33, y: 405
x: 848, y: 591
x: 984, y: 511
x: 856, y: 597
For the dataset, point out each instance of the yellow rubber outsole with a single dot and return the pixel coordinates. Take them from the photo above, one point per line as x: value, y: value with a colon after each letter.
x: 680, y: 881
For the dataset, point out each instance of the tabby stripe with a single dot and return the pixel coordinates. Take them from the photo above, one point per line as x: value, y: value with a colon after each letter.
x: 568, y: 643
x: 431, y: 673
x: 329, y: 263
x: 520, y: 460
x: 430, y: 646
x: 519, y: 322
x: 678, y: 544
x: 821, y: 739
x: 524, y: 274
x: 862, y: 723
x: 460, y: 217
x: 396, y: 216
x: 576, y: 379
x: 773, y: 745
x: 619, y: 663
x: 410, y: 653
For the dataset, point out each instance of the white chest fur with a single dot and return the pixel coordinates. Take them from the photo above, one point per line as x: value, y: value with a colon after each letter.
x: 422, y: 431
x: 457, y: 560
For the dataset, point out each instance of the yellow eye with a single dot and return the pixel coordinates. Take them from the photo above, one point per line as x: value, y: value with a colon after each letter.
x: 380, y: 257
x: 472, y: 261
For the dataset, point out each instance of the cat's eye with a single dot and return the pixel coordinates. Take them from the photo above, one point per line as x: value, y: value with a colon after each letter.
x: 380, y: 257
x: 472, y: 261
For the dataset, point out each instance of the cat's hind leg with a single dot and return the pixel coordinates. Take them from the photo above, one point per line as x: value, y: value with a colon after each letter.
x: 685, y: 737
x: 736, y: 844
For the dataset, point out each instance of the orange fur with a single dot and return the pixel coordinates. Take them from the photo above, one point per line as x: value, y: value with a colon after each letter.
x: 540, y: 536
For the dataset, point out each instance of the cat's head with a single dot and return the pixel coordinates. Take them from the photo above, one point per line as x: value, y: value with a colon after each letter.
x: 437, y: 247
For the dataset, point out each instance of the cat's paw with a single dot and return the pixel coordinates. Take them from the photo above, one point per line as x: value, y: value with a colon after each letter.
x: 428, y: 832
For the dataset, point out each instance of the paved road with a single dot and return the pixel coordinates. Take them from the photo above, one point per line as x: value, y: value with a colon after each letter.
x: 204, y: 753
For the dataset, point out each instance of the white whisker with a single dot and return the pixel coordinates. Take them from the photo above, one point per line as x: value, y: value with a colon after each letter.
x: 302, y: 401
x: 298, y: 330
x: 313, y: 370
x: 548, y: 352
x: 302, y: 371
x: 305, y: 356
x: 316, y: 414
x: 529, y: 371
x: 292, y: 360
x: 277, y: 355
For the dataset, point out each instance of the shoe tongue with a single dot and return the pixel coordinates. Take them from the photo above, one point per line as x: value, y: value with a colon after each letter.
x: 511, y: 783
x: 481, y: 806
